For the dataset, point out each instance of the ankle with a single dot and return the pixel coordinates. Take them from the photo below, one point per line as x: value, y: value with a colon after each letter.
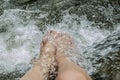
x: 71, y: 74
x: 62, y: 59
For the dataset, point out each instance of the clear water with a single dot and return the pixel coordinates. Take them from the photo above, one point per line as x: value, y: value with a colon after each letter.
x: 21, y: 31
x: 20, y: 43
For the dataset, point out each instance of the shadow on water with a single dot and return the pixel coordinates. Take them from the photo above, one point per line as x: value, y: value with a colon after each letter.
x: 109, y: 68
x: 11, y: 76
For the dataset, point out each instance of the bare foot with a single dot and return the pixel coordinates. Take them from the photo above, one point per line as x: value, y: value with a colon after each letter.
x: 65, y: 64
x: 40, y: 68
x: 63, y: 42
x: 53, y: 45
x: 47, y: 56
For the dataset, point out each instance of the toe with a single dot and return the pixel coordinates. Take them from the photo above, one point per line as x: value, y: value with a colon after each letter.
x: 51, y: 33
x: 44, y: 41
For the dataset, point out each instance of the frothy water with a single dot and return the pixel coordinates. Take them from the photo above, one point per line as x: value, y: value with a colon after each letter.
x: 20, y: 37
x: 20, y: 43
x: 84, y: 35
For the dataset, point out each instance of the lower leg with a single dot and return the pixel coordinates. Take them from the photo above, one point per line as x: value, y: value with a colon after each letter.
x: 34, y: 73
x: 67, y: 70
x: 40, y: 68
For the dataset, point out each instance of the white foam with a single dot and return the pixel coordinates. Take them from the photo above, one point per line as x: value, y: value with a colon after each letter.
x: 84, y: 32
x: 21, y: 43
x: 84, y: 35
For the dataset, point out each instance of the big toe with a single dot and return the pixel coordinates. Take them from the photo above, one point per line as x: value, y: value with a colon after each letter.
x: 49, y: 48
x: 52, y: 34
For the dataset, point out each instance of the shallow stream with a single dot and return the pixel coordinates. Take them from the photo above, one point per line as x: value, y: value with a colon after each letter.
x: 94, y: 25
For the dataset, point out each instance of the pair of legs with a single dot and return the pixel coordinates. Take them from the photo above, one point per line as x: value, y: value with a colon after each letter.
x: 53, y: 47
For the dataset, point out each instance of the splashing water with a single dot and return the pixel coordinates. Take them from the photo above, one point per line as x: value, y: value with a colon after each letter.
x: 21, y: 43
x: 20, y: 37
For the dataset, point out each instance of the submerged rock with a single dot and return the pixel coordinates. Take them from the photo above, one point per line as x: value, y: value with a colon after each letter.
x: 104, y: 13
x: 1, y: 7
x: 109, y: 68
x: 11, y: 76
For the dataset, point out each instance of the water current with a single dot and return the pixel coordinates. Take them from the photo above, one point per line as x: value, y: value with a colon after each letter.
x: 94, y: 26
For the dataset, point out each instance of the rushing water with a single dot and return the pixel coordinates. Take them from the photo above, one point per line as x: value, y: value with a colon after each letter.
x: 94, y: 25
